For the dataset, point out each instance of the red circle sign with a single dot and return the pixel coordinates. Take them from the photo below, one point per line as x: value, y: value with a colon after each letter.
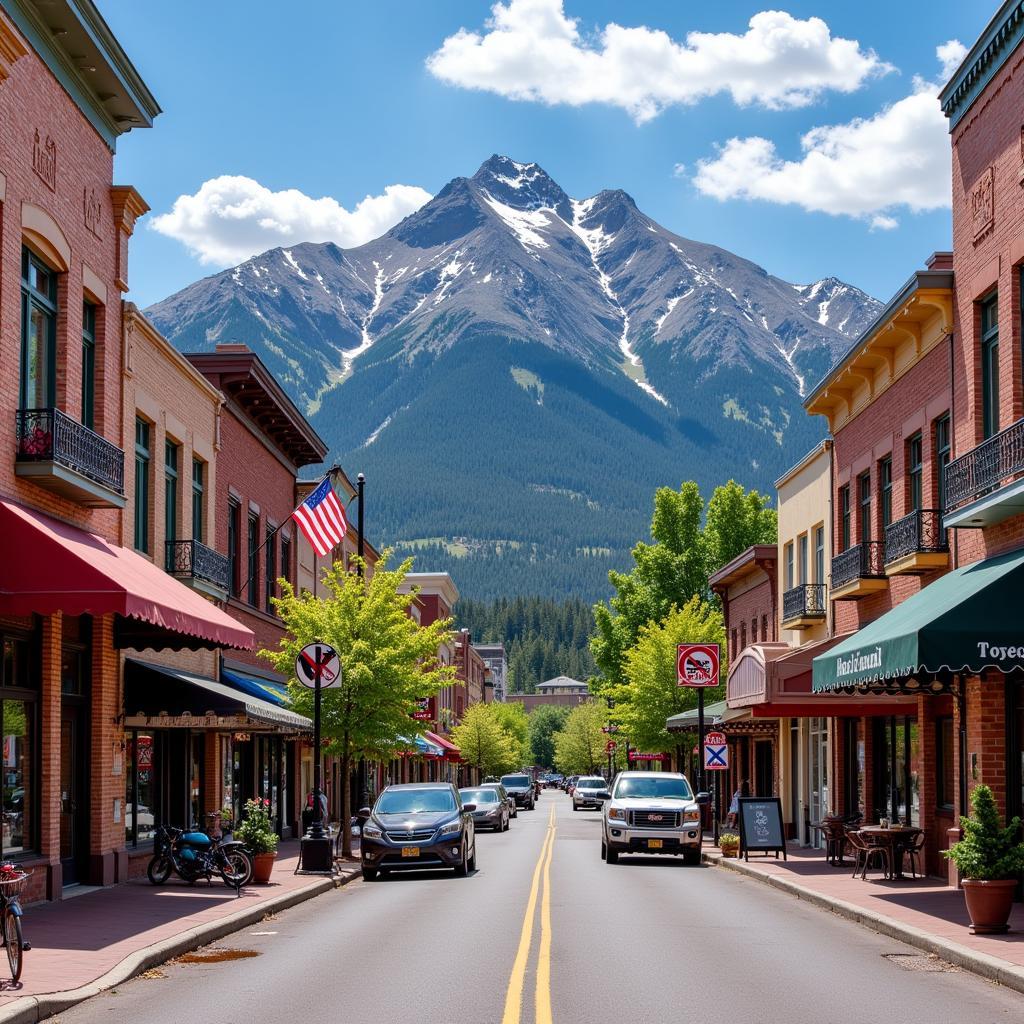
x: 697, y: 664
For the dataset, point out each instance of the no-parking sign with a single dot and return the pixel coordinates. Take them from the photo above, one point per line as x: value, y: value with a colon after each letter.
x: 697, y: 664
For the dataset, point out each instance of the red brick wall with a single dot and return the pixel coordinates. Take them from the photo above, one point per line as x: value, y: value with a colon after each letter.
x: 746, y: 605
x: 910, y: 405
x: 248, y: 470
x: 32, y: 100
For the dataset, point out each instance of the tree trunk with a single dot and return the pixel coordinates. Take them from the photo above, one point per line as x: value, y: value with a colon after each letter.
x: 346, y: 802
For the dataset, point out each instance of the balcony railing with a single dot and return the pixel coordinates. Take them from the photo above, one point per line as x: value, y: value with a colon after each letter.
x: 49, y: 435
x: 921, y: 532
x: 864, y: 561
x: 807, y: 601
x: 191, y: 559
x: 984, y: 468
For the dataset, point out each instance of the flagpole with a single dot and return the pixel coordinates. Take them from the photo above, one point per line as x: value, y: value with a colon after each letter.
x: 361, y: 482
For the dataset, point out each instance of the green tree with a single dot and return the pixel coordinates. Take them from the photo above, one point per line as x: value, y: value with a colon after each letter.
x: 515, y: 724
x: 545, y: 721
x: 675, y: 568
x: 650, y: 693
x: 579, y: 744
x: 483, y: 742
x: 388, y: 661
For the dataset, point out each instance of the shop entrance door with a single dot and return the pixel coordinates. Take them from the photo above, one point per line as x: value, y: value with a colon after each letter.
x: 74, y: 818
x: 818, y: 781
x: 764, y: 782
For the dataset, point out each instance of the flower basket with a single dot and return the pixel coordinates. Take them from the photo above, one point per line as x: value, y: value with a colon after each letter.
x: 729, y: 844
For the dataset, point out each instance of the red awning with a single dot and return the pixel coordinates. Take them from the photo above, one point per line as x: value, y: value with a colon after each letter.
x: 51, y: 566
x: 451, y: 752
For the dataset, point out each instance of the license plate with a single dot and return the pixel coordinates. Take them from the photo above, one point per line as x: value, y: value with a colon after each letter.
x: 410, y: 851
x: 654, y: 844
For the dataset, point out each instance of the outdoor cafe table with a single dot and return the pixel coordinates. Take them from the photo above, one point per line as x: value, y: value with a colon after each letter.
x: 897, y: 838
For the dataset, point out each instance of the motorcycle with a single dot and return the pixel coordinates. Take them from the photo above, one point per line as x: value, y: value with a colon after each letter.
x: 194, y: 855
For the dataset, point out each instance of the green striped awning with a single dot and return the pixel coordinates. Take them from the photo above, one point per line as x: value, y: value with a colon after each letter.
x: 966, y: 621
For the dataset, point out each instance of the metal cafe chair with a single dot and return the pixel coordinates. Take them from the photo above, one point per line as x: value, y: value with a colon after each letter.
x: 865, y: 853
x: 915, y: 854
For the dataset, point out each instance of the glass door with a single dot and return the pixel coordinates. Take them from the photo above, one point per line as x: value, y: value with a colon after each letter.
x: 818, y: 773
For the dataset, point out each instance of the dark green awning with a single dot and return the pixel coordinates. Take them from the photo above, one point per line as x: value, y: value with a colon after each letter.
x: 966, y: 621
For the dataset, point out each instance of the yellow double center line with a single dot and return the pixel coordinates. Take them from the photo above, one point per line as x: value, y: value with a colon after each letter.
x: 514, y: 996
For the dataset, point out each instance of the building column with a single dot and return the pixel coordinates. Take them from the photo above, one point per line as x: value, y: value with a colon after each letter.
x: 106, y: 756
x: 49, y: 781
x: 986, y: 736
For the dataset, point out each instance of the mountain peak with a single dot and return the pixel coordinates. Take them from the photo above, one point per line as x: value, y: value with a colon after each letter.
x: 521, y: 186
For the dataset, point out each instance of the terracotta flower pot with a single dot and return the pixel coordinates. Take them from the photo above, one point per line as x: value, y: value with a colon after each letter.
x: 989, y: 904
x: 262, y: 866
x: 730, y: 852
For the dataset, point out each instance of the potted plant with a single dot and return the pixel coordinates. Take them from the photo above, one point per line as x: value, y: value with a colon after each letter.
x: 729, y: 844
x: 990, y: 858
x: 258, y: 834
x: 227, y: 823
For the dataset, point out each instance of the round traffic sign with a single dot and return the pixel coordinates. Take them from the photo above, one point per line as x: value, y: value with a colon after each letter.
x: 697, y: 664
x: 318, y: 663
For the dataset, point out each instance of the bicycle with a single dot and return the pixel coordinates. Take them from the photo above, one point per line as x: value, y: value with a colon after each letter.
x: 12, y: 882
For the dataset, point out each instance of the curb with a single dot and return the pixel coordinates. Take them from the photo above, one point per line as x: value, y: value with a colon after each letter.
x: 31, y: 1009
x: 991, y: 968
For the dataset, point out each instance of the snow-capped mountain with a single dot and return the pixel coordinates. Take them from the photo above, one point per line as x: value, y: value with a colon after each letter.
x: 566, y: 322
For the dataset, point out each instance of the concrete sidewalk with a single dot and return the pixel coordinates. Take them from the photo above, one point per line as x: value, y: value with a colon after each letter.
x: 924, y: 912
x: 90, y: 943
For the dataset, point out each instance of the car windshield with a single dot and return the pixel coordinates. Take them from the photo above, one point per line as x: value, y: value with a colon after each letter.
x: 414, y: 801
x: 479, y: 796
x: 515, y: 780
x: 591, y: 784
x: 655, y: 786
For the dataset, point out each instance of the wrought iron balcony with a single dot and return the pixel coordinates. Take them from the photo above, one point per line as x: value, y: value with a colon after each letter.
x: 916, y: 543
x: 988, y: 470
x: 804, y: 605
x: 66, y: 457
x: 194, y: 562
x: 859, y: 570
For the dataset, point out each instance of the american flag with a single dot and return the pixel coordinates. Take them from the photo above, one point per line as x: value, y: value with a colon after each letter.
x: 321, y: 518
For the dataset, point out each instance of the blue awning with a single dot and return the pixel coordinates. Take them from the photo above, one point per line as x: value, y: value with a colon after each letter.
x: 422, y: 745
x: 264, y: 689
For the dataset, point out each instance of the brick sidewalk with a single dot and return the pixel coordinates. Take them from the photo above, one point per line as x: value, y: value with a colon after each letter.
x: 78, y: 941
x: 926, y: 912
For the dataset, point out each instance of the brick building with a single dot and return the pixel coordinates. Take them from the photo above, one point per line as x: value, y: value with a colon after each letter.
x: 264, y: 442
x: 72, y: 597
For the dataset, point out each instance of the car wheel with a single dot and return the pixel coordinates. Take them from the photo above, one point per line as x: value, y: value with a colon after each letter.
x: 611, y: 856
x: 461, y: 870
x: 604, y: 850
x: 691, y: 857
x: 504, y: 824
x: 472, y: 859
x: 574, y: 807
x: 369, y: 874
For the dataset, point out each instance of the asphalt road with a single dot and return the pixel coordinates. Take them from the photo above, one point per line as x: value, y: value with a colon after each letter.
x: 546, y: 933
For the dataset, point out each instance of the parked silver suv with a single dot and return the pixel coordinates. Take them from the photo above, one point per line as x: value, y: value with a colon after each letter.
x: 652, y: 812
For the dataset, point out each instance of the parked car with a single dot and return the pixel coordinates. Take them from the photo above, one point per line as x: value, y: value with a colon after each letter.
x: 491, y: 807
x: 554, y: 781
x: 513, y: 807
x: 590, y: 791
x: 418, y: 825
x: 652, y: 812
x: 520, y: 786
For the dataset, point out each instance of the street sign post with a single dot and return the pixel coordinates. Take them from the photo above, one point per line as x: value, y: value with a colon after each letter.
x: 697, y: 665
x: 610, y: 747
x: 317, y: 667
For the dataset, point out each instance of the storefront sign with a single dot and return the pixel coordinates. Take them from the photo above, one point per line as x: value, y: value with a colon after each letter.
x: 858, y: 662
x: 422, y: 712
x: 185, y: 721
x: 761, y: 828
x: 716, y: 752
x: 635, y: 756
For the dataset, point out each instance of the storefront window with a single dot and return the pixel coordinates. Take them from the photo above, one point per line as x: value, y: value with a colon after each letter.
x: 140, y: 819
x: 897, y: 759
x: 19, y: 727
x: 195, y: 778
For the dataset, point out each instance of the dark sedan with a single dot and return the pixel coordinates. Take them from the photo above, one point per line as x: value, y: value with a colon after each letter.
x: 491, y: 810
x: 520, y: 787
x: 419, y: 825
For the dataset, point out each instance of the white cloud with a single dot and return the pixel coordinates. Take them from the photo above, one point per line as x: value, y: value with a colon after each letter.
x: 232, y: 217
x: 865, y: 168
x: 951, y: 54
x: 530, y: 50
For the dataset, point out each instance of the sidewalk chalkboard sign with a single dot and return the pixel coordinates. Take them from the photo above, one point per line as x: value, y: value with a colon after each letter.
x: 761, y: 829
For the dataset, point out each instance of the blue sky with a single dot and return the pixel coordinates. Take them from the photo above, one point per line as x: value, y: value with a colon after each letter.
x: 336, y: 100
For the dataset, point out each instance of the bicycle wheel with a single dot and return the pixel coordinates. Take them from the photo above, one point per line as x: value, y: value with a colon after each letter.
x: 13, y: 943
x: 237, y: 870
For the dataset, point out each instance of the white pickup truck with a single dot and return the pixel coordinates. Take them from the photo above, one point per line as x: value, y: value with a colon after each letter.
x: 652, y: 812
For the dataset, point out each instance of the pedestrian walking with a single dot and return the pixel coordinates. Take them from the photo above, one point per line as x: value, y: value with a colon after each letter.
x: 743, y: 789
